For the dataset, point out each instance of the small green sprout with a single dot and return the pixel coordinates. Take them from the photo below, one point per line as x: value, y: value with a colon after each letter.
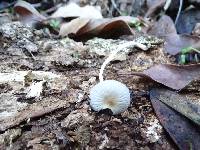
x: 55, y: 24
x: 187, y: 50
x: 136, y: 23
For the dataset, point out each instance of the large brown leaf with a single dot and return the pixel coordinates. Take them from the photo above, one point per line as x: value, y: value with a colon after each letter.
x: 184, y: 133
x: 173, y: 76
x: 180, y: 103
x: 106, y: 28
x: 73, y: 26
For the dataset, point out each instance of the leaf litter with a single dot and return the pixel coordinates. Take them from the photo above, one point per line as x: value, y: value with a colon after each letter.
x: 183, y: 132
x: 181, y: 104
x: 176, y: 77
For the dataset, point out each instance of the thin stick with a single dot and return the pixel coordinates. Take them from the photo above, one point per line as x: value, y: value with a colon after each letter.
x: 115, y: 6
x: 114, y: 52
x: 179, y: 11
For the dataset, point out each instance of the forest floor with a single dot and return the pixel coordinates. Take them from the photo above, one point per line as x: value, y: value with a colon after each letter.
x: 45, y: 83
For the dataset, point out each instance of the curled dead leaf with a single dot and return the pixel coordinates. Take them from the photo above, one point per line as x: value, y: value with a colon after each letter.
x: 73, y: 26
x: 84, y: 28
x: 27, y: 12
x: 73, y: 10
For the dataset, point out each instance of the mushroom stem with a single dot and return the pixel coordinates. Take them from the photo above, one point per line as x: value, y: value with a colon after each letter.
x: 115, y: 51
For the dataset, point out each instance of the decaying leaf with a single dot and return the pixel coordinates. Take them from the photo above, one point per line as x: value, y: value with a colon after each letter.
x: 180, y: 103
x: 8, y: 137
x: 27, y: 12
x: 9, y: 105
x: 173, y: 76
x: 76, y: 119
x: 73, y: 10
x: 37, y: 141
x: 104, y: 47
x: 86, y: 28
x: 183, y: 132
x: 22, y: 76
x: 35, y: 89
x: 73, y: 27
x: 163, y: 27
x: 174, y: 42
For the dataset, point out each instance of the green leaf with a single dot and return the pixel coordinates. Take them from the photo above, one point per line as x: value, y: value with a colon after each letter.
x: 186, y: 50
x: 54, y: 23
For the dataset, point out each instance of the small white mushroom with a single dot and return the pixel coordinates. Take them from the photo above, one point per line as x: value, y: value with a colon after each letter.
x: 110, y: 94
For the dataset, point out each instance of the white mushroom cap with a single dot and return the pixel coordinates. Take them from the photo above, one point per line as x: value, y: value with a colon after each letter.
x: 110, y: 94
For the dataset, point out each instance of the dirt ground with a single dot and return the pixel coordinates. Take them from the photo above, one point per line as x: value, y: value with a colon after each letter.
x: 61, y: 118
x: 47, y: 71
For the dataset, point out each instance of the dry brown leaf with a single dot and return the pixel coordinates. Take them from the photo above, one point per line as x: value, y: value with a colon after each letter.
x: 106, y: 28
x: 180, y: 103
x: 174, y: 42
x: 112, y: 28
x: 95, y: 26
x: 27, y: 12
x: 73, y: 26
x: 184, y: 133
x: 173, y: 76
x: 73, y: 10
x: 163, y: 27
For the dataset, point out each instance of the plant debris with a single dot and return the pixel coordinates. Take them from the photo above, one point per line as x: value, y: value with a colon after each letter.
x: 183, y: 132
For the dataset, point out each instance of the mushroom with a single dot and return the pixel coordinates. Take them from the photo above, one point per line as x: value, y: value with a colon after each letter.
x: 112, y: 94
